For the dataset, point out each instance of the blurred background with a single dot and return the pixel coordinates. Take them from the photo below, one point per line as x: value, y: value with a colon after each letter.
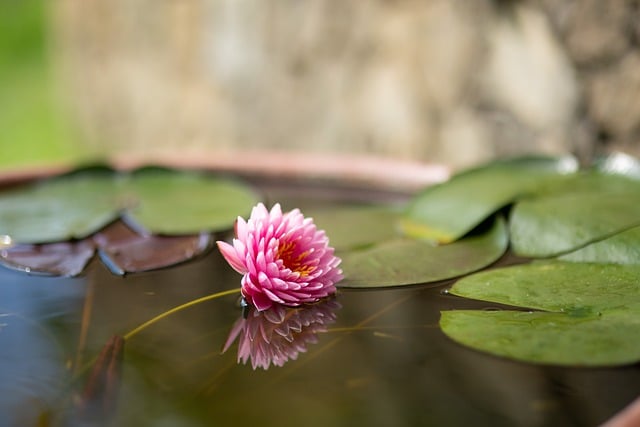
x: 438, y: 81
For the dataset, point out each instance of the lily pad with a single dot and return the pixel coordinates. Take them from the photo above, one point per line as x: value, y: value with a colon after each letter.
x: 448, y: 211
x: 355, y: 227
x: 156, y: 200
x: 170, y: 202
x: 124, y: 251
x: 597, y: 206
x: 63, y: 208
x: 622, y: 248
x: 548, y: 338
x: 55, y: 259
x: 590, y: 314
x: 405, y: 261
x: 121, y: 249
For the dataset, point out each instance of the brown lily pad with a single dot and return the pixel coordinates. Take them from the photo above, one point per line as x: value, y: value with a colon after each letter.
x: 56, y: 259
x: 120, y: 248
x: 124, y: 251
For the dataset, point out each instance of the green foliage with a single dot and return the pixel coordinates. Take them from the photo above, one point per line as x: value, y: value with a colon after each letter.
x: 22, y: 26
x: 375, y: 253
x: 556, y: 286
x: 589, y: 314
x: 405, y: 261
x: 588, y: 309
x: 35, y: 129
x: 450, y: 210
x: 356, y: 227
x: 587, y: 208
x: 170, y: 202
x: 160, y: 201
x: 548, y: 338
x: 583, y: 304
x: 622, y: 248
x: 68, y: 207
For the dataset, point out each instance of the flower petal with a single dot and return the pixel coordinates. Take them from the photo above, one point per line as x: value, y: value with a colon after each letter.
x: 261, y: 301
x: 285, y: 259
x: 229, y: 253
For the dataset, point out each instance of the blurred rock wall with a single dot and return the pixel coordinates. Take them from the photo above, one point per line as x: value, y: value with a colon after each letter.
x: 450, y: 81
x: 602, y: 40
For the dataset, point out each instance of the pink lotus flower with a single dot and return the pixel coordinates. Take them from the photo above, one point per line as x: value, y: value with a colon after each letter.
x: 280, y: 333
x: 283, y: 257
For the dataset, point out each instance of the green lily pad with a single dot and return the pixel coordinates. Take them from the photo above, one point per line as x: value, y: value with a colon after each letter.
x: 591, y: 313
x: 405, y: 261
x: 171, y: 202
x: 448, y: 211
x: 591, y: 207
x: 156, y: 200
x: 547, y: 338
x: 622, y: 248
x: 64, y: 208
x: 355, y: 227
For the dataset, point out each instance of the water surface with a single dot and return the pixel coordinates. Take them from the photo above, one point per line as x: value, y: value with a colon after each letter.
x: 382, y: 361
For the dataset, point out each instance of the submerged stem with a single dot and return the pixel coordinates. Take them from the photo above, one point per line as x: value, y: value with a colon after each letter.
x: 145, y: 325
x: 181, y: 307
x: 84, y: 325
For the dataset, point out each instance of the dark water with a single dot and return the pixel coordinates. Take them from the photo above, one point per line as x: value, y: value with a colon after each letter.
x: 382, y: 362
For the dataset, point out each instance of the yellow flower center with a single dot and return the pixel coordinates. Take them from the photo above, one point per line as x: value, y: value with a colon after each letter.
x: 291, y: 260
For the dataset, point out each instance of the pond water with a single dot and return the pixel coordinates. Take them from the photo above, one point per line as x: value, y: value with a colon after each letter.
x: 379, y: 360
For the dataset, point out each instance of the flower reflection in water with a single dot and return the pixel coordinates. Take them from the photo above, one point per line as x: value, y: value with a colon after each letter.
x: 280, y: 333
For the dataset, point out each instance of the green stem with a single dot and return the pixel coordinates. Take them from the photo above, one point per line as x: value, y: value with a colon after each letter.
x: 168, y: 313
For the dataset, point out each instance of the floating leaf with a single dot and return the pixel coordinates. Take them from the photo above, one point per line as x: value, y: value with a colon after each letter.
x: 555, y: 286
x: 448, y: 211
x: 170, y: 202
x: 594, y: 207
x: 57, y: 259
x: 356, y: 226
x: 63, y: 208
x: 622, y: 248
x: 548, y: 338
x: 408, y: 261
x: 121, y: 249
x: 591, y: 313
x: 124, y: 251
x: 161, y: 201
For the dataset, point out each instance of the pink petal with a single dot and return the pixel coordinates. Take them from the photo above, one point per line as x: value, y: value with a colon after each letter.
x: 240, y: 229
x: 284, y: 258
x: 261, y: 301
x: 276, y: 211
x: 235, y: 331
x: 229, y: 253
